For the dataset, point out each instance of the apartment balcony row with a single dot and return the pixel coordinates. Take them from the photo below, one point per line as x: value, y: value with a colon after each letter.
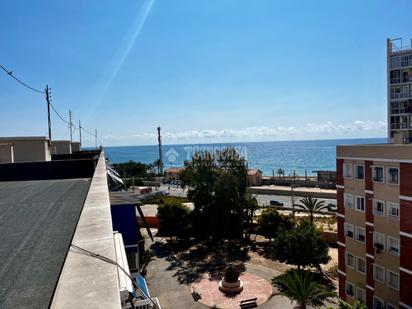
x: 401, y: 95
x: 401, y: 80
x: 399, y: 126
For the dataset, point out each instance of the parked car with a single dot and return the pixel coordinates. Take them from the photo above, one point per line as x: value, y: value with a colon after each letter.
x: 275, y: 203
x: 332, y: 207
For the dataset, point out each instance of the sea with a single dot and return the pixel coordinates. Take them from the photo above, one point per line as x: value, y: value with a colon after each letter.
x: 298, y: 157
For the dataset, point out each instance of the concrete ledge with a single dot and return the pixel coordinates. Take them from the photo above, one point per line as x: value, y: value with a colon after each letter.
x: 86, y: 282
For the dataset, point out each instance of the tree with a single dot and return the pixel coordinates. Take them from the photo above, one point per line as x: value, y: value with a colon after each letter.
x: 303, y: 287
x: 173, y: 218
x: 250, y: 208
x: 131, y: 169
x: 279, y: 172
x: 303, y: 246
x: 158, y: 164
x: 270, y: 221
x: 312, y: 206
x: 145, y: 258
x: 218, y: 190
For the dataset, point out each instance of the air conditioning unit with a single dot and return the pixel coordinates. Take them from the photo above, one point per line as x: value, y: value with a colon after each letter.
x: 378, y: 247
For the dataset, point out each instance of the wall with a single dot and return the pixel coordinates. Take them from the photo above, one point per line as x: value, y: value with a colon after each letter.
x: 47, y: 170
x: 61, y: 147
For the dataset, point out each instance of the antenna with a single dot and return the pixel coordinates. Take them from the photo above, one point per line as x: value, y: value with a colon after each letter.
x: 71, y: 126
x: 80, y: 132
x: 159, y: 138
x: 48, y: 112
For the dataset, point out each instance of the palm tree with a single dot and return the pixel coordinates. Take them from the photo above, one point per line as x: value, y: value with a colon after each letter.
x: 312, y: 206
x: 279, y: 172
x: 302, y: 286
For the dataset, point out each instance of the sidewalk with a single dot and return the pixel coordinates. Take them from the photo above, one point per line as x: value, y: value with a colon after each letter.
x: 297, y: 191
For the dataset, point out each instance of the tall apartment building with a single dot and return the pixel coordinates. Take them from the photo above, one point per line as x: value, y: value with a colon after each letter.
x: 399, y: 66
x: 374, y: 184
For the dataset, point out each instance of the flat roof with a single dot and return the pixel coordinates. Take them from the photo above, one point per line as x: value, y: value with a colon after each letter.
x: 376, y: 152
x: 23, y: 138
x: 37, y: 223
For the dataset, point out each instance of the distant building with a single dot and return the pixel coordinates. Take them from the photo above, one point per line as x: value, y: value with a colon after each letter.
x: 173, y: 173
x: 254, y: 177
x: 326, y: 179
x: 24, y: 149
x: 399, y: 66
x: 61, y: 147
x: 374, y: 185
x: 76, y: 146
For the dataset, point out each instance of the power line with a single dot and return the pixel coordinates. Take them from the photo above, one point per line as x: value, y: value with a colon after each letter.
x: 47, y: 92
x: 10, y: 73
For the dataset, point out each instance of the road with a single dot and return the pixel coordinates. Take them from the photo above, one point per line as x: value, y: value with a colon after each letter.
x: 262, y: 199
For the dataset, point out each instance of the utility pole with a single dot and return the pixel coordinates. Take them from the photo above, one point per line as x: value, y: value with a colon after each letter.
x: 95, y: 137
x: 159, y: 138
x: 80, y: 133
x: 71, y: 126
x: 48, y: 112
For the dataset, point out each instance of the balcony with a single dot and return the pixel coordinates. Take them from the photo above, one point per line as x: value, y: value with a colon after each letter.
x: 401, y: 95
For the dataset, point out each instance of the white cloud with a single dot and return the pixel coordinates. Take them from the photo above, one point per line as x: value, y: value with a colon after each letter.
x: 326, y: 130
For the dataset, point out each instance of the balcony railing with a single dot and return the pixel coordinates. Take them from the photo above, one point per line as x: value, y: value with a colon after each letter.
x: 401, y: 95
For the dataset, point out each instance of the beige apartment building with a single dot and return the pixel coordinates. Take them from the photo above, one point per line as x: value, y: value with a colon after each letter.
x: 374, y: 193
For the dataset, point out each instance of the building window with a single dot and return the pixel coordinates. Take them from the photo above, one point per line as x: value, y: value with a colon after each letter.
x: 393, y: 280
x: 348, y: 200
x: 379, y: 273
x: 360, y: 234
x: 393, y: 245
x: 360, y: 203
x: 390, y: 306
x: 393, y: 210
x: 360, y: 265
x: 359, y: 172
x: 347, y: 170
x: 349, y: 230
x: 393, y: 175
x: 378, y: 207
x: 378, y: 303
x: 360, y: 295
x: 350, y: 260
x: 349, y: 289
x: 378, y: 241
x: 378, y: 173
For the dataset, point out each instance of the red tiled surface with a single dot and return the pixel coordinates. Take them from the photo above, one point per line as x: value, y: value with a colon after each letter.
x: 369, y: 240
x: 405, y: 288
x: 406, y: 253
x: 341, y: 259
x: 339, y: 172
x: 253, y: 286
x: 341, y: 229
x: 369, y: 272
x: 368, y: 175
x: 340, y: 202
x: 406, y: 216
x: 405, y: 179
x: 342, y: 293
x: 369, y: 298
x: 369, y: 207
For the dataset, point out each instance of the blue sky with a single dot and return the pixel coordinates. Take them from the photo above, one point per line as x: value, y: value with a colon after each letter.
x: 205, y: 71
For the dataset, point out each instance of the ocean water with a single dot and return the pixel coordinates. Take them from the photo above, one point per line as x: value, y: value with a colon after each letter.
x: 298, y: 156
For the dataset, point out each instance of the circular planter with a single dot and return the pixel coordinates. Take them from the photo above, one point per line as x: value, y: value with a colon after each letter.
x: 230, y: 287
